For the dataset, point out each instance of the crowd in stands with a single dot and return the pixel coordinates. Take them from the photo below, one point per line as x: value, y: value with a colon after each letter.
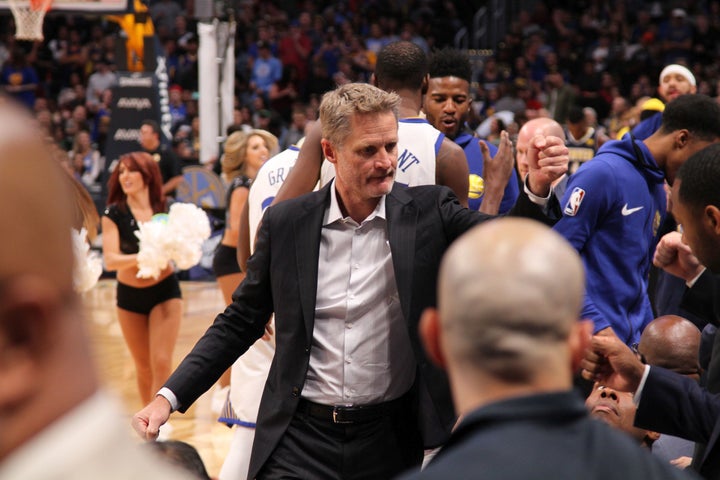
x: 603, y: 55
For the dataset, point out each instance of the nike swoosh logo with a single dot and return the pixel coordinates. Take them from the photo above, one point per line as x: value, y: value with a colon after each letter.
x: 628, y: 211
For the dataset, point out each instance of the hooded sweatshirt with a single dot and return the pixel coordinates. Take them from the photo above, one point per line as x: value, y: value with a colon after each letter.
x: 647, y: 127
x: 612, y: 209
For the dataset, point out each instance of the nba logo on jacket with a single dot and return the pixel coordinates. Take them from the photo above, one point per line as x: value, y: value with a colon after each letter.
x: 573, y: 204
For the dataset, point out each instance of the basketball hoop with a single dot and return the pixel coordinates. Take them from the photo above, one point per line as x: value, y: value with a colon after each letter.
x: 29, y: 16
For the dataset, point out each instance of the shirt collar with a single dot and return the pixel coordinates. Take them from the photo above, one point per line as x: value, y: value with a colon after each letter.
x: 334, y: 214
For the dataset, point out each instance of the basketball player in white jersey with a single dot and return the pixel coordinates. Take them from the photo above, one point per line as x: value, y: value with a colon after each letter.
x: 249, y: 372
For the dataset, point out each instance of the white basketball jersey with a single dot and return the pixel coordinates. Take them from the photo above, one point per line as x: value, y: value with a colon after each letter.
x: 267, y: 182
x: 249, y: 372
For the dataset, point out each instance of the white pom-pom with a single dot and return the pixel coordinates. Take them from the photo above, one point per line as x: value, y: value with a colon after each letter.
x: 186, y: 255
x: 88, y: 264
x: 189, y: 227
x: 179, y: 239
x: 154, y: 253
x: 189, y: 220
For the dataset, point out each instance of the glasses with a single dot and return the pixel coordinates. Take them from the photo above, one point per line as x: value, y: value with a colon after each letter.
x: 640, y: 356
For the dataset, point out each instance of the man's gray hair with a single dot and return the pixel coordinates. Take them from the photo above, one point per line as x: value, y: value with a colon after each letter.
x: 338, y: 107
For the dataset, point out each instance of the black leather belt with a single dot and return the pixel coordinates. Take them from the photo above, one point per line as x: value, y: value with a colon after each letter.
x: 349, y: 413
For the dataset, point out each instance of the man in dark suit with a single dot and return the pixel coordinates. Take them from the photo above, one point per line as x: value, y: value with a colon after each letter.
x: 668, y: 402
x: 700, y: 298
x: 347, y: 271
x: 507, y: 332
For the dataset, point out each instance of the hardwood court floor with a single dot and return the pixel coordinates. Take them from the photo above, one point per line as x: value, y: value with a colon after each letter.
x: 198, y: 426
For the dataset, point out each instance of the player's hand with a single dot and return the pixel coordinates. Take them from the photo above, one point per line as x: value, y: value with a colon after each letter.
x: 147, y: 422
x: 610, y: 362
x: 675, y: 257
x: 547, y: 161
x: 681, y: 462
x: 496, y: 173
x: 267, y: 336
x: 497, y: 169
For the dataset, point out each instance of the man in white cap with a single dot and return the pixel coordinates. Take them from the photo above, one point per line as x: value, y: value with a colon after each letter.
x: 675, y: 80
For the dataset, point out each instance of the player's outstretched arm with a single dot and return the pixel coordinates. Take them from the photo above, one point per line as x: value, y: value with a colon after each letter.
x: 306, y: 172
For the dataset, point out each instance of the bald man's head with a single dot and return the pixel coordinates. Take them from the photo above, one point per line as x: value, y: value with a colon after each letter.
x: 537, y: 126
x: 510, y: 292
x: 671, y: 342
x: 37, y: 211
x: 46, y: 366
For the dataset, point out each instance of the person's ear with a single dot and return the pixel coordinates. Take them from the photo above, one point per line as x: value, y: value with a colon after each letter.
x: 425, y: 83
x: 430, y: 333
x: 682, y: 138
x: 27, y: 309
x: 328, y: 150
x: 712, y: 213
x: 579, y: 341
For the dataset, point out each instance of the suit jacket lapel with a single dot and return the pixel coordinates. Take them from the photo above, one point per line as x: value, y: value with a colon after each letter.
x: 402, y: 224
x: 307, y: 226
x: 710, y: 446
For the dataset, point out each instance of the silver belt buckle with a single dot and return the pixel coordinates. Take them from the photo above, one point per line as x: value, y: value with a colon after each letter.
x: 335, y: 413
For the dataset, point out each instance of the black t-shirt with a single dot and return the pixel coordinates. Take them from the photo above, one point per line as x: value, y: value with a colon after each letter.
x: 168, y: 163
x: 126, y: 225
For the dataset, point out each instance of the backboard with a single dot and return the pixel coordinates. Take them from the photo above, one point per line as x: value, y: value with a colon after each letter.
x: 29, y: 15
x: 97, y: 7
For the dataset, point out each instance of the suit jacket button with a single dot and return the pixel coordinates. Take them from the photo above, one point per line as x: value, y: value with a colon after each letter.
x: 295, y: 391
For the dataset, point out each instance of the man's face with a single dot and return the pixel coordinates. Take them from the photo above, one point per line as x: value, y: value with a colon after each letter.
x: 673, y: 85
x: 698, y: 233
x: 447, y: 103
x: 614, y: 408
x: 619, y: 105
x: 365, y: 163
x: 522, y: 146
x: 148, y: 137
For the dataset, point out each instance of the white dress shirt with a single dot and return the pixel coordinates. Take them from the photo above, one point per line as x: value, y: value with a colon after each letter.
x: 361, y: 352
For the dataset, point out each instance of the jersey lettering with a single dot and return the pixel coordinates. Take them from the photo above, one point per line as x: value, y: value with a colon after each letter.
x: 406, y: 160
x: 277, y: 176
